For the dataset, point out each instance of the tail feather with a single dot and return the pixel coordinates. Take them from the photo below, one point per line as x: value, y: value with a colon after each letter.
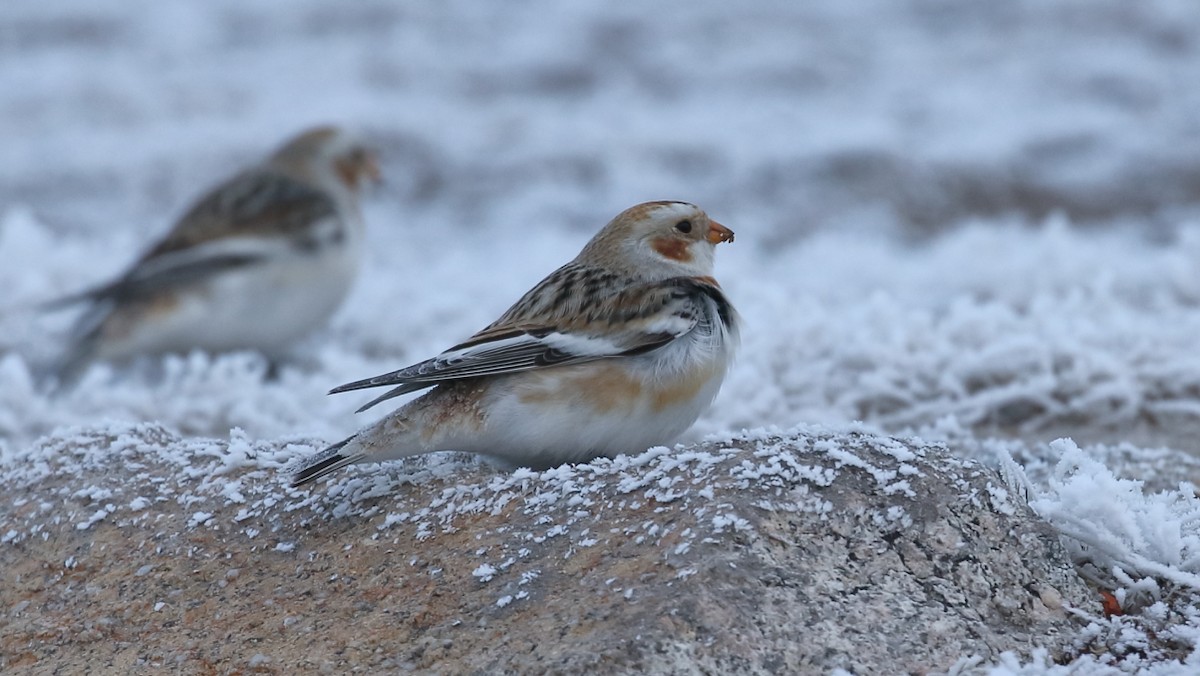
x: 85, y: 341
x: 73, y: 362
x: 61, y: 302
x: 329, y: 460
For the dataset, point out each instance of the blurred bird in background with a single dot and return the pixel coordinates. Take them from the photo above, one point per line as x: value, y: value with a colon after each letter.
x: 256, y: 263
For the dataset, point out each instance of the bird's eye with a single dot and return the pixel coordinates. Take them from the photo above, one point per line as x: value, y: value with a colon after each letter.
x: 684, y: 226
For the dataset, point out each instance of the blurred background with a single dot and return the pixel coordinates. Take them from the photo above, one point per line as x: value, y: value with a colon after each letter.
x: 793, y: 116
x: 965, y: 215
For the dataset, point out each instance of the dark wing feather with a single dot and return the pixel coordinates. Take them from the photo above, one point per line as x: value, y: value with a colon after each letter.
x: 636, y: 320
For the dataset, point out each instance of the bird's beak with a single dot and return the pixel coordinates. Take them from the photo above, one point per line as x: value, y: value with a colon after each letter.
x: 718, y: 233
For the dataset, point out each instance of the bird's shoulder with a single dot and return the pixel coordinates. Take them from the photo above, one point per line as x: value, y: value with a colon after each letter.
x: 565, y: 295
x: 582, y: 299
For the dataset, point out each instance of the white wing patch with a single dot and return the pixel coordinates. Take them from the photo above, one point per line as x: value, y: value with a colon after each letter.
x: 582, y: 346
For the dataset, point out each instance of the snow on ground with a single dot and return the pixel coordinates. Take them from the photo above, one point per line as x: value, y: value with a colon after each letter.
x: 960, y: 221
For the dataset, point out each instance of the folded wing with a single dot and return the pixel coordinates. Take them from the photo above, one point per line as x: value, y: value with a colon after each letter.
x: 639, y: 319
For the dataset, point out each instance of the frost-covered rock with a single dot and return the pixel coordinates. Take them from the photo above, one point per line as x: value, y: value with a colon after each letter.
x: 768, y: 553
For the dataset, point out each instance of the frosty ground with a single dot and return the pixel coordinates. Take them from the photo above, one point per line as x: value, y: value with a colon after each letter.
x: 971, y: 224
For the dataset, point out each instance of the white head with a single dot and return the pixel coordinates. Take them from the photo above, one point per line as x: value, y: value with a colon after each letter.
x: 330, y: 157
x: 658, y: 240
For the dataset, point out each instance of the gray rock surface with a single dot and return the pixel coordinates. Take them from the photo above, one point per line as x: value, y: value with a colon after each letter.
x: 128, y: 549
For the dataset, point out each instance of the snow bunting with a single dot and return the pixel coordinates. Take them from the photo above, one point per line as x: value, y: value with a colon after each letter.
x: 256, y: 263
x: 619, y: 350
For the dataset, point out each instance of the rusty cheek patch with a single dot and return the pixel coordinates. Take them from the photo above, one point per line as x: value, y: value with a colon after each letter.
x: 675, y: 249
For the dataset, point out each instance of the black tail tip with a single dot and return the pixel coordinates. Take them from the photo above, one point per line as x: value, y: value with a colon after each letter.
x: 325, y: 462
x: 314, y: 472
